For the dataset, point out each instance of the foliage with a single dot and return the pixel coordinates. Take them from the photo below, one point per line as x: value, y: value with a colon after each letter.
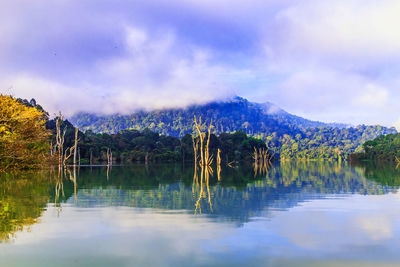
x: 288, y: 135
x: 382, y: 148
x: 253, y: 118
x: 23, y: 135
x: 134, y: 145
x: 325, y: 143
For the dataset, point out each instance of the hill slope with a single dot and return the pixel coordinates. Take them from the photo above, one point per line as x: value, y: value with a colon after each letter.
x: 253, y: 118
x: 289, y: 135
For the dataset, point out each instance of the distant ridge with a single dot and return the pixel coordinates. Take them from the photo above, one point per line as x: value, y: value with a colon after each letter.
x: 288, y: 135
x: 231, y: 115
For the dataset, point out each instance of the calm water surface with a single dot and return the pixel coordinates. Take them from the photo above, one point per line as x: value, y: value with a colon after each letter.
x: 295, y: 214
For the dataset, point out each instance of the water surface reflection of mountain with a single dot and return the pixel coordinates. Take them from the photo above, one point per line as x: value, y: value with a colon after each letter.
x: 238, y: 196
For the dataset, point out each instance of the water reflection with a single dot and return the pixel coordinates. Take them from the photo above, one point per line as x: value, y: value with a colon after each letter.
x: 198, y: 190
x: 233, y: 195
x: 23, y: 198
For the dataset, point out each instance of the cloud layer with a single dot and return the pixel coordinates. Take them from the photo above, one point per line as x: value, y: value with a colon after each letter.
x: 335, y: 61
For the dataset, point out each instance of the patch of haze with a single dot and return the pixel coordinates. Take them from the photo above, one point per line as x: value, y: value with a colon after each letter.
x: 397, y: 124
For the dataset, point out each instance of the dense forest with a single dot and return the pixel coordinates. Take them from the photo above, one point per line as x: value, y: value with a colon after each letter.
x: 29, y: 137
x: 146, y: 145
x: 287, y: 135
x: 382, y: 148
x: 30, y: 134
x: 228, y: 116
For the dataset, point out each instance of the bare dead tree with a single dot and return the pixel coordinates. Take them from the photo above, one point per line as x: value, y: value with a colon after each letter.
x: 255, y: 156
x: 201, y: 136
x: 109, y: 157
x: 67, y: 154
x: 205, y: 158
x: 195, y: 142
x: 60, y: 140
x: 75, y: 145
x: 219, y: 157
x: 208, y: 159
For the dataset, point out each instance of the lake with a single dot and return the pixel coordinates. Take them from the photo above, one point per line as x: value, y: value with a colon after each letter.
x: 292, y: 214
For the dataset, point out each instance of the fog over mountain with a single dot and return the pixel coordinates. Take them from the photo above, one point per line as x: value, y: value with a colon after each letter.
x: 230, y: 115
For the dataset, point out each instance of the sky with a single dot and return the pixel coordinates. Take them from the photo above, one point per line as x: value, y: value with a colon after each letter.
x: 334, y: 61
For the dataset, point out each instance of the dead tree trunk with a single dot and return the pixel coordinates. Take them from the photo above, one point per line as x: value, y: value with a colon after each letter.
x: 195, y: 149
x: 201, y: 136
x: 205, y: 158
x: 75, y: 145
x: 219, y: 157
x: 109, y: 157
x: 60, y: 141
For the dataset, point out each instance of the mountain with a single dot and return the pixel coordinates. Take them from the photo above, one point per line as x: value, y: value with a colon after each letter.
x: 228, y: 116
x: 288, y: 135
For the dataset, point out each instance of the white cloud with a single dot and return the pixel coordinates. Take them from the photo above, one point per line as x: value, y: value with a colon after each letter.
x: 347, y: 29
x: 151, y: 75
x: 324, y: 60
x: 397, y: 124
x: 374, y: 96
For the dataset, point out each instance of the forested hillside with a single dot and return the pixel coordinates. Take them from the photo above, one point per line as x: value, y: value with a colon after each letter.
x: 288, y: 135
x: 28, y: 140
x: 229, y: 116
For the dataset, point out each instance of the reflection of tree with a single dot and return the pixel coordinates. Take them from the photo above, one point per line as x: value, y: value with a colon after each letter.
x: 59, y: 190
x: 237, y: 196
x: 23, y: 197
x: 204, y: 178
x: 383, y: 173
x: 262, y: 161
x: 72, y: 177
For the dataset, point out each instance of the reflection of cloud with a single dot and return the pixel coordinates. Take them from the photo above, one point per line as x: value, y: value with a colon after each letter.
x: 376, y: 226
x: 316, y: 231
x: 351, y: 225
x: 106, y: 220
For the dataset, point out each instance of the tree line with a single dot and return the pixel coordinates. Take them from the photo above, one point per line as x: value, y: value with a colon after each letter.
x: 385, y: 148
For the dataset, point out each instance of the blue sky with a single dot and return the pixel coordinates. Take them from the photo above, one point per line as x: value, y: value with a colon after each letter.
x: 325, y: 60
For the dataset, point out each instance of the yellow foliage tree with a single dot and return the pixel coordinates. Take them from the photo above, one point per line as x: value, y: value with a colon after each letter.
x: 23, y: 135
